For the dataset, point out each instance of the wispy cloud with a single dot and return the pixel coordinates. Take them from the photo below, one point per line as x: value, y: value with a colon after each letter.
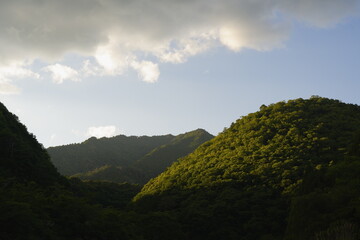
x: 8, y: 89
x: 10, y: 72
x: 114, y: 34
x: 59, y: 73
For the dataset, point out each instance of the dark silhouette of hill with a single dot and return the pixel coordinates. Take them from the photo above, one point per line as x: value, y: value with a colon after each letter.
x: 36, y: 202
x: 125, y: 159
x: 21, y: 156
x: 94, y: 153
x: 285, y: 171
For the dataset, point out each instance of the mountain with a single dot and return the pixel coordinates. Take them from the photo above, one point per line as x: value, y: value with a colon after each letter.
x: 36, y: 202
x: 94, y: 153
x: 288, y: 171
x: 121, y: 158
x: 21, y: 156
x: 113, y: 174
x: 156, y: 161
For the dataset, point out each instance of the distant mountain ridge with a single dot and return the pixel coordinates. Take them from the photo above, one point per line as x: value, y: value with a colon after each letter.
x: 125, y: 159
x: 94, y: 153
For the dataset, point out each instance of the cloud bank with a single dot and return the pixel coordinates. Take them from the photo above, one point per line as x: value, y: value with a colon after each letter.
x: 112, y: 36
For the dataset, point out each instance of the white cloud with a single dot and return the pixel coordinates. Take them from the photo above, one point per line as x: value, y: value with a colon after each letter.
x: 59, y: 73
x: 112, y: 57
x: 8, y: 89
x: 102, y: 131
x: 237, y: 38
x: 147, y: 71
x: 115, y: 33
x: 186, y: 48
x: 13, y: 71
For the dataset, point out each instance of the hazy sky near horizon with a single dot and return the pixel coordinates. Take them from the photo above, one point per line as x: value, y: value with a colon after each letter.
x: 75, y: 69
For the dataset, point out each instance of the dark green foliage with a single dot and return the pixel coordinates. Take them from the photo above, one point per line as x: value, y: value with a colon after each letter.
x: 108, y: 194
x: 341, y: 231
x: 265, y: 160
x: 28, y: 211
x: 94, y: 153
x: 275, y: 146
x: 20, y: 154
x: 331, y: 205
x: 156, y: 161
x: 290, y: 171
x: 113, y: 174
x: 36, y: 202
x: 125, y: 159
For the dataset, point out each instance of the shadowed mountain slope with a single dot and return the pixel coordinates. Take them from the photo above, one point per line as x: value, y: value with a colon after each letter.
x: 121, y: 158
x: 21, y: 156
x: 94, y: 153
x: 36, y: 202
x: 156, y: 161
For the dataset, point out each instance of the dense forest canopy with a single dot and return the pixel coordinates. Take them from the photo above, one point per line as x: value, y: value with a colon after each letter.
x: 289, y: 171
x: 94, y: 153
x: 22, y: 157
x: 36, y: 202
x: 248, y: 180
x: 125, y: 159
x: 276, y: 146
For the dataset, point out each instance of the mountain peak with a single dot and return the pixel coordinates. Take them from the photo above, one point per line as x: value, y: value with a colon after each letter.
x: 243, y: 180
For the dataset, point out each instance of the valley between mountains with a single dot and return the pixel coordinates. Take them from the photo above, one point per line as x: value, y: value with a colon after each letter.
x: 289, y: 171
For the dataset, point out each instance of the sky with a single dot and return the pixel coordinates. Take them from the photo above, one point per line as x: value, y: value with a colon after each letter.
x: 75, y: 69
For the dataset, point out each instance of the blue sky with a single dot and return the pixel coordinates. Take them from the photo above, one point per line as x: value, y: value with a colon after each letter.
x: 175, y: 80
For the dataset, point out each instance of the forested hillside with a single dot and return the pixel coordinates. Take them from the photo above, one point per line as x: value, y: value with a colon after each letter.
x: 94, y: 153
x: 290, y: 170
x: 156, y: 161
x: 125, y: 159
x: 20, y: 154
x: 36, y: 202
